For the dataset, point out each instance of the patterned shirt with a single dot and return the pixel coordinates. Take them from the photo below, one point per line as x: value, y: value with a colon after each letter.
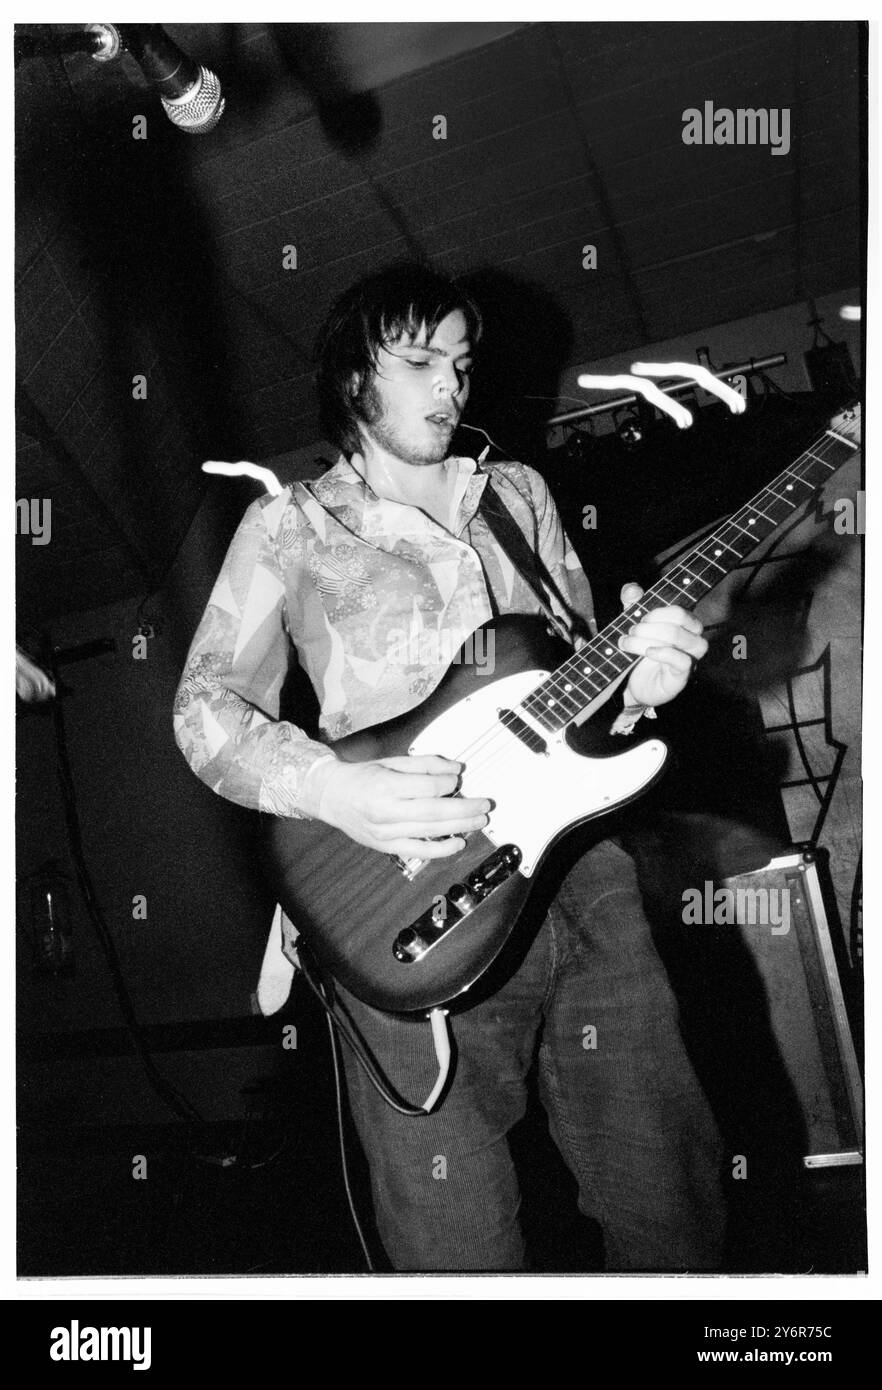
x: 377, y: 598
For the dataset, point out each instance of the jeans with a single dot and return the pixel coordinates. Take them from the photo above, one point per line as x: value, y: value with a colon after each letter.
x: 624, y: 1105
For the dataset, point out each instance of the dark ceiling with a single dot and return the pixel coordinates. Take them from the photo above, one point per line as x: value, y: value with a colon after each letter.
x: 163, y: 256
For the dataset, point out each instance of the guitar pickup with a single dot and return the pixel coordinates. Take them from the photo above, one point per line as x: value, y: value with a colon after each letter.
x: 522, y: 730
x: 449, y: 909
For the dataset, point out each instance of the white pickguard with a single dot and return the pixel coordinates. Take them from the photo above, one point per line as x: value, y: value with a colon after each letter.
x: 536, y: 795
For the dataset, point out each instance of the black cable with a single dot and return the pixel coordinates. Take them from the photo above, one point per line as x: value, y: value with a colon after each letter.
x: 362, y: 1056
x: 171, y: 1097
x: 341, y: 1132
x: 168, y: 1093
x: 139, y: 614
x: 769, y: 386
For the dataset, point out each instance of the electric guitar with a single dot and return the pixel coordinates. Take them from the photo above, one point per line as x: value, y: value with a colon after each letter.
x: 407, y: 936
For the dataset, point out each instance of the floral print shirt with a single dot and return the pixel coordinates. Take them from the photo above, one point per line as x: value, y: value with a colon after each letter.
x: 376, y: 597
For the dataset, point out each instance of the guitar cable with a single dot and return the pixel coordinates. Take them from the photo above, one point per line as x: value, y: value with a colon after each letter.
x: 341, y: 1132
x: 368, y: 1064
x: 441, y: 1039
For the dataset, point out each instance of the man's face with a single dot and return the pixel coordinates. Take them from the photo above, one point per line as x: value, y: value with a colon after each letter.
x: 413, y: 403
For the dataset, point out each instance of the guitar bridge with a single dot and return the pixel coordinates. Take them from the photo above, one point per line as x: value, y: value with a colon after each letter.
x: 408, y: 868
x: 448, y: 910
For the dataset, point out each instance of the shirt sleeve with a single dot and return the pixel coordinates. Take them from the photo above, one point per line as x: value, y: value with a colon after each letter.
x: 561, y: 560
x: 226, y: 712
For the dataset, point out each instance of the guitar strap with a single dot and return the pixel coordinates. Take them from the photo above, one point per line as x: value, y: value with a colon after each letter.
x: 526, y: 561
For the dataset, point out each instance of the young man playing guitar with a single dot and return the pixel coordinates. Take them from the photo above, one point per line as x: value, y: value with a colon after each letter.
x: 393, y: 541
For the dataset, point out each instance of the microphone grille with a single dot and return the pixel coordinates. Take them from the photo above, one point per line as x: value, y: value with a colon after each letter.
x: 200, y: 110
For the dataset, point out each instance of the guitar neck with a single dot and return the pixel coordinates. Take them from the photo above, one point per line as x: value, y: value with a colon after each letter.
x: 589, y: 673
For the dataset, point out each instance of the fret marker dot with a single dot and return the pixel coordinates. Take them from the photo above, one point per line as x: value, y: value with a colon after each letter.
x: 607, y: 651
x: 751, y: 521
x: 789, y: 487
x: 686, y: 581
x: 718, y: 552
x: 587, y: 670
x: 567, y: 685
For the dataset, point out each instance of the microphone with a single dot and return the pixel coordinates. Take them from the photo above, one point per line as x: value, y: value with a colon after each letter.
x: 190, y: 93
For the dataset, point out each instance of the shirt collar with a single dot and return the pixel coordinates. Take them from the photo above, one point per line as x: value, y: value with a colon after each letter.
x: 352, y: 470
x: 471, y: 479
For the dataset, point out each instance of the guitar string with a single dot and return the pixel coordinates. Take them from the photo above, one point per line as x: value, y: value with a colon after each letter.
x: 698, y: 567
x: 701, y: 566
x: 491, y: 743
x: 484, y: 743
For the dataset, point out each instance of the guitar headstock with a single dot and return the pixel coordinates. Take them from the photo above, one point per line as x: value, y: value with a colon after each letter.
x: 848, y: 423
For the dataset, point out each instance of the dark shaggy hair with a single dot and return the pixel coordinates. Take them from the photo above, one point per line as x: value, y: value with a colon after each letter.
x: 403, y: 298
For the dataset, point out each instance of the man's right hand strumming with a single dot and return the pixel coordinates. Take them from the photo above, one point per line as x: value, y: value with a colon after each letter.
x: 396, y: 805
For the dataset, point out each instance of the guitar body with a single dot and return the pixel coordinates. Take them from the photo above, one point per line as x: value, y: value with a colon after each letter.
x: 408, y: 937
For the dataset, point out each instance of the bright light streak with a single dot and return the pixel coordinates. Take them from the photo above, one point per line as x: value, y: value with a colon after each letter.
x: 689, y: 371
x: 248, y: 470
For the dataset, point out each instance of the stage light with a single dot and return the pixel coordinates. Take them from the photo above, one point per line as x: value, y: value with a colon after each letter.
x: 577, y: 446
x: 629, y: 428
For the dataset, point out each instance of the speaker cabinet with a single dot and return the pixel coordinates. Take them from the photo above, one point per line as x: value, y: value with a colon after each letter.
x: 780, y: 914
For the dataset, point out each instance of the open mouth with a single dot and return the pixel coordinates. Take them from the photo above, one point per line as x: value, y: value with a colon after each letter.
x: 441, y: 417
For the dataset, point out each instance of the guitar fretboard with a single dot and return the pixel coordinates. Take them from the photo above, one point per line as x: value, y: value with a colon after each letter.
x: 565, y: 694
